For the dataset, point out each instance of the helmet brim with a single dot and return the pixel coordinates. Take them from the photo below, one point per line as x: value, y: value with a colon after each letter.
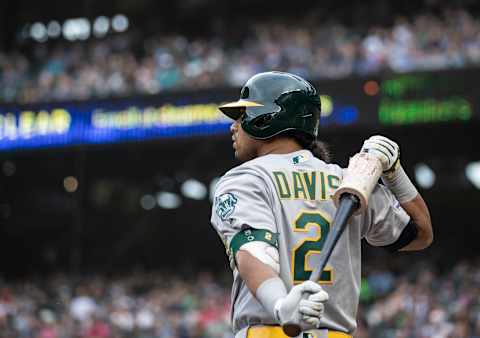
x: 235, y: 110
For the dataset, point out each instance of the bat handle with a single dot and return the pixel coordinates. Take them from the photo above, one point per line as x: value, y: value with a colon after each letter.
x: 349, y: 203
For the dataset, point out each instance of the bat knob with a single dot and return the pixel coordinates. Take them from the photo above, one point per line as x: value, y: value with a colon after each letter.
x: 291, y: 330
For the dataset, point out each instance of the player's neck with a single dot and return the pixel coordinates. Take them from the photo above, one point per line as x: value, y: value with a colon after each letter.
x: 280, y: 145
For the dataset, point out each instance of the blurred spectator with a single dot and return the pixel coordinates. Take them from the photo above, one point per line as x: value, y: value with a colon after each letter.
x: 82, y: 306
x: 121, y: 65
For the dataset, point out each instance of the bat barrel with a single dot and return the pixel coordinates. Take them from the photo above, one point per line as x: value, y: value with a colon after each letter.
x: 360, y: 178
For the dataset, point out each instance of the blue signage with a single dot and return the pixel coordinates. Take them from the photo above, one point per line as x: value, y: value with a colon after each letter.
x: 87, y: 123
x: 123, y: 120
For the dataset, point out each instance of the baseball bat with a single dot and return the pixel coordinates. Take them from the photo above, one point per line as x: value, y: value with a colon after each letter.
x: 351, y: 197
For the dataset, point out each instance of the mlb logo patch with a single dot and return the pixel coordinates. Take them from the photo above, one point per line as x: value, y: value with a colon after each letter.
x: 300, y: 158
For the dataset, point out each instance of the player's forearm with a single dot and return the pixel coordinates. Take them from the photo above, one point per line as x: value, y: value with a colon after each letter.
x: 262, y: 281
x: 418, y: 211
x: 412, y: 202
x: 253, y: 271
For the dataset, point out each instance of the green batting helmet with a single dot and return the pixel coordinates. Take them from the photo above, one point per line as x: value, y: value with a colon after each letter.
x: 275, y: 102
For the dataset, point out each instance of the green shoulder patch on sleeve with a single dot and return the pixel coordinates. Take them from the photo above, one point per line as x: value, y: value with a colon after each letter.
x: 251, y: 235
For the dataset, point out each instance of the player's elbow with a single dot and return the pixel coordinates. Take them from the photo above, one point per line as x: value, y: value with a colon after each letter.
x: 425, y: 232
x: 427, y: 238
x: 421, y: 234
x: 423, y: 239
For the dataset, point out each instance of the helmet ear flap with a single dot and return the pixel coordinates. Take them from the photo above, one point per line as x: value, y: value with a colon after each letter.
x: 263, y: 121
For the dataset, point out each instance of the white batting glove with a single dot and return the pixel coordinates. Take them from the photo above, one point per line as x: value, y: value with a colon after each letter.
x: 387, y: 151
x: 304, y: 312
x: 394, y: 177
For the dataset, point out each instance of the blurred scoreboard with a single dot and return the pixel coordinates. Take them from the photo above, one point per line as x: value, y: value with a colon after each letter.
x: 396, y: 100
x: 429, y: 98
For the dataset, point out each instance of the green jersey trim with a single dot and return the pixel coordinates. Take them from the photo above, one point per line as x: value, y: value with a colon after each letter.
x: 251, y: 235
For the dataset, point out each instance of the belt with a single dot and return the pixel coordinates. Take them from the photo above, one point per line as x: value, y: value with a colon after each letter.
x: 277, y: 332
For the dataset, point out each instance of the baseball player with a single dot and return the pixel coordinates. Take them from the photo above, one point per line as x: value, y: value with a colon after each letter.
x: 274, y: 212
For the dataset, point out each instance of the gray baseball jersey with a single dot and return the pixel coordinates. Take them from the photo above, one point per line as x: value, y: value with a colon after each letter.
x: 288, y: 197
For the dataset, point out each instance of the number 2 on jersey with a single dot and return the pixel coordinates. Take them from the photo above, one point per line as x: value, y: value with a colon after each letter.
x: 310, y: 245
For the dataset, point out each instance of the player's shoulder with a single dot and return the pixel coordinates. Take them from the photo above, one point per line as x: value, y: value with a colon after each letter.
x: 253, y: 167
x: 335, y: 168
x: 250, y: 173
x: 331, y: 168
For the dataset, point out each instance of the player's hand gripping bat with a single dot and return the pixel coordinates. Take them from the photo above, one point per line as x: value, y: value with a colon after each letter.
x: 351, y: 197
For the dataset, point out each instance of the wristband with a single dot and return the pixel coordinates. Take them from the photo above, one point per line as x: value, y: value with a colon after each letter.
x: 400, y: 185
x: 269, y: 292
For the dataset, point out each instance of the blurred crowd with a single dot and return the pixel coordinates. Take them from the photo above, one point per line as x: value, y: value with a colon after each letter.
x: 126, y: 64
x: 421, y: 303
x: 144, y: 305
x: 418, y: 304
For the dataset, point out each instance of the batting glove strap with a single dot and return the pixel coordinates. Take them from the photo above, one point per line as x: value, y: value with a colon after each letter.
x: 400, y: 184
